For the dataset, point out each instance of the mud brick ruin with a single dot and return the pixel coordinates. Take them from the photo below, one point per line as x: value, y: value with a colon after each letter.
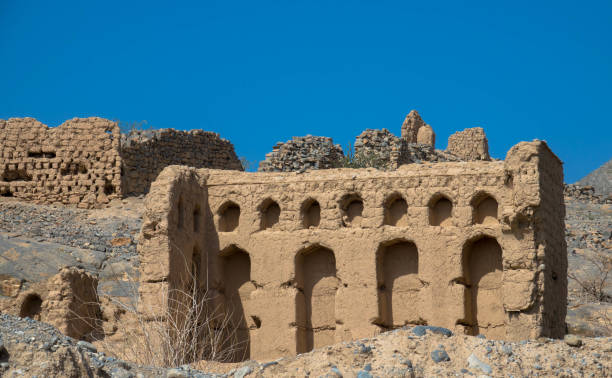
x: 303, y: 260
x: 86, y: 161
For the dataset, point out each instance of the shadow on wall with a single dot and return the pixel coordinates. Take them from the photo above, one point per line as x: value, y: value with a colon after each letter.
x: 236, y: 268
x: 316, y: 280
x: 397, y: 268
x: 482, y: 269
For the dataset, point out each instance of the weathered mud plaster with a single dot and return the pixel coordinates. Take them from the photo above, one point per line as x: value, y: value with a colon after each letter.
x: 320, y: 257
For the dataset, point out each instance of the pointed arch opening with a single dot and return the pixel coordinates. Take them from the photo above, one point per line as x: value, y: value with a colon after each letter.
x: 395, y: 211
x: 317, y: 284
x: 484, y: 209
x: 237, y: 288
x: 440, y: 211
x: 397, y: 270
x: 197, y: 218
x: 269, y: 214
x: 311, y: 213
x: 351, y: 207
x: 229, y: 216
x: 482, y: 269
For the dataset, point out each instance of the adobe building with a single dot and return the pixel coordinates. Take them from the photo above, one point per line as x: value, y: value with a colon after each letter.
x: 88, y: 162
x: 303, y: 260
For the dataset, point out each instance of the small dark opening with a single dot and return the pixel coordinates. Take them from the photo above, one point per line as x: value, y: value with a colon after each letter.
x: 7, y: 193
x: 16, y: 175
x: 108, y: 188
x: 31, y: 307
x: 38, y: 155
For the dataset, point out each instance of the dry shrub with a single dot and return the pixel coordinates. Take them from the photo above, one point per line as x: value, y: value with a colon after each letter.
x: 593, y: 284
x: 193, y: 324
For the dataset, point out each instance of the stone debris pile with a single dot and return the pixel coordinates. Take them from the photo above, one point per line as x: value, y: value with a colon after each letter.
x: 586, y: 194
x: 378, y: 148
x: 301, y: 153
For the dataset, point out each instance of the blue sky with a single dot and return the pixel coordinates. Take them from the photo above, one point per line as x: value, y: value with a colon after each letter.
x: 259, y: 72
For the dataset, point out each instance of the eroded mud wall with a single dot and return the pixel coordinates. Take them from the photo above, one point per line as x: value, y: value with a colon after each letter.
x: 349, y: 253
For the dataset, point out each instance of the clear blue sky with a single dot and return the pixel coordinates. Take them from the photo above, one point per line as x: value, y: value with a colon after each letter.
x: 259, y: 72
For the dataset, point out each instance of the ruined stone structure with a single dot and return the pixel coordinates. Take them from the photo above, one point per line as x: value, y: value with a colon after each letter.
x: 301, y: 153
x: 469, y: 144
x: 146, y: 152
x: 83, y: 161
x: 303, y: 260
x: 77, y: 162
x: 67, y: 300
x: 380, y: 147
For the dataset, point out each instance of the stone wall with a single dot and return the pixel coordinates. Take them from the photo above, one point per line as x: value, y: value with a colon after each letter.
x: 469, y: 144
x: 146, y: 152
x: 301, y: 153
x: 77, y: 162
x: 392, y: 152
x: 87, y: 162
x: 303, y: 260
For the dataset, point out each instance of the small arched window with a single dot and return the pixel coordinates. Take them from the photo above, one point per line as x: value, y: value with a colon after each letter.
x: 229, y: 217
x: 440, y: 211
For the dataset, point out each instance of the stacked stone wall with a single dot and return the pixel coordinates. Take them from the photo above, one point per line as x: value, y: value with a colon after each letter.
x: 469, y: 144
x: 77, y: 162
x: 302, y: 153
x: 146, y: 152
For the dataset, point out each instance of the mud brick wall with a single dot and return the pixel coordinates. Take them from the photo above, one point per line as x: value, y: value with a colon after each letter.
x: 77, y: 162
x: 303, y: 260
x: 301, y: 153
x: 146, y: 152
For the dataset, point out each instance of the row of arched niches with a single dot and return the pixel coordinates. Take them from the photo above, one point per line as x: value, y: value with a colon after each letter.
x: 398, y: 286
x: 484, y: 210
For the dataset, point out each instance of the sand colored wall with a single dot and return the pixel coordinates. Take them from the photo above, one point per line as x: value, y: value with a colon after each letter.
x: 77, y: 162
x: 342, y: 254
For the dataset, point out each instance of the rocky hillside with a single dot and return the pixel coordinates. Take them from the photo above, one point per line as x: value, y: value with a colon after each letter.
x: 36, y: 241
x: 600, y: 179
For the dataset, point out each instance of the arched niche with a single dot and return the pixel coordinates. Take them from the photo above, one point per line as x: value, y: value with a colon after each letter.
x: 483, y: 269
x: 440, y: 211
x: 351, y: 207
x: 397, y: 270
x: 31, y: 306
x: 197, y: 218
x: 315, y: 273
x: 395, y: 211
x: 484, y: 209
x: 269, y: 213
x: 237, y: 288
x: 229, y: 216
x: 310, y: 213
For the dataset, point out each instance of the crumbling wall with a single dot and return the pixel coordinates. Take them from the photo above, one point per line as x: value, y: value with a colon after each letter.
x: 469, y: 144
x: 469, y: 246
x: 67, y: 300
x: 411, y: 126
x: 381, y: 145
x: 77, y: 162
x: 146, y: 152
x: 301, y: 153
x: 392, y: 152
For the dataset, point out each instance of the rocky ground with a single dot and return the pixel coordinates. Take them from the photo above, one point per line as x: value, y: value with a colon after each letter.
x: 37, y: 240
x: 34, y: 349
